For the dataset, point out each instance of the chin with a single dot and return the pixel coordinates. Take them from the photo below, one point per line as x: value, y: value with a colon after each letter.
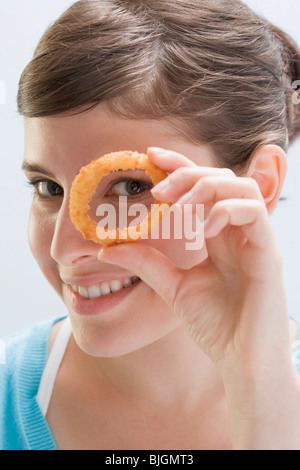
x: 117, y: 339
x: 97, y: 345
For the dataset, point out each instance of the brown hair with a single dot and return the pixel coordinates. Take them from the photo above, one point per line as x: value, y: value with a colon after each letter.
x: 214, y: 66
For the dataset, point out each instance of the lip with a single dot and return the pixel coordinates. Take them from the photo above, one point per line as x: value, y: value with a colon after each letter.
x: 99, y: 305
x: 95, y: 280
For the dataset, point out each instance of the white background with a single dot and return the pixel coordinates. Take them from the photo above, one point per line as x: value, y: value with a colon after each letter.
x: 26, y: 297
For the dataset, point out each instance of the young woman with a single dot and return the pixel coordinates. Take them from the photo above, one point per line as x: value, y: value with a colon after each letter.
x: 161, y: 347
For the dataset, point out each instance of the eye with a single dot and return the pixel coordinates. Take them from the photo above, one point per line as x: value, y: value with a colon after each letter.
x: 46, y: 189
x: 49, y: 188
x: 130, y: 187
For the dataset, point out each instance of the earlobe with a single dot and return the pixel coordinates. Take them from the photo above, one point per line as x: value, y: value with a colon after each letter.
x: 269, y: 168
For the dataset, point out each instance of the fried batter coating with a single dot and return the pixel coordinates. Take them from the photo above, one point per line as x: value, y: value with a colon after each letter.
x: 85, y: 184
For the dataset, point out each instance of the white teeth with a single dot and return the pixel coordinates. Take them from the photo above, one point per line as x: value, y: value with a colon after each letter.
x: 105, y: 288
x: 83, y: 292
x: 94, y: 292
x: 127, y: 282
x: 116, y: 285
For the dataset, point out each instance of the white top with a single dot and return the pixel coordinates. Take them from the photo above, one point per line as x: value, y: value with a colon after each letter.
x: 52, y: 365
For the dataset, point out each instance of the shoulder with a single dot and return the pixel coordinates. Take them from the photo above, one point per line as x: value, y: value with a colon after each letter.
x: 22, y: 360
x: 31, y: 341
x: 23, y: 355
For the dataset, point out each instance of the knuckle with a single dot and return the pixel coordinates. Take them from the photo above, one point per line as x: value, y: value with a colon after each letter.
x: 220, y: 206
x: 228, y: 172
x: 179, y: 173
x: 259, y: 207
x: 251, y: 182
x: 205, y: 185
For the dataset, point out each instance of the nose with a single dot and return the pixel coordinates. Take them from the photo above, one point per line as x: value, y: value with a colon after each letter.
x: 68, y: 247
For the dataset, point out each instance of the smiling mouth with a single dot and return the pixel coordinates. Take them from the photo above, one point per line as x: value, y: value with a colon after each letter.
x: 105, y: 288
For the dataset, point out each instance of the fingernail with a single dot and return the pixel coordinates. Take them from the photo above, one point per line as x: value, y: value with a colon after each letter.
x: 101, y: 257
x: 158, y: 150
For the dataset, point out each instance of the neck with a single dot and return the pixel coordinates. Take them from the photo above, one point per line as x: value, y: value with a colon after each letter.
x: 172, y: 370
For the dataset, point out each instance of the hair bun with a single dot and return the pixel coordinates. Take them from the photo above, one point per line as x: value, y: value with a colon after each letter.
x: 291, y: 79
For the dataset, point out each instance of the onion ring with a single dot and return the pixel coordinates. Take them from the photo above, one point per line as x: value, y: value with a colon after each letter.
x: 85, y: 184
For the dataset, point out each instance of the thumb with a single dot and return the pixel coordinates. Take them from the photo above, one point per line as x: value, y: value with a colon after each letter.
x: 149, y: 264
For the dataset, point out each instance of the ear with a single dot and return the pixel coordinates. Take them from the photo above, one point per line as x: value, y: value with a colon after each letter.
x: 269, y: 167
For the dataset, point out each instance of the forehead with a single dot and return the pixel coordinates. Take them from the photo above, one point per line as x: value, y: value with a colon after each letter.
x: 70, y: 142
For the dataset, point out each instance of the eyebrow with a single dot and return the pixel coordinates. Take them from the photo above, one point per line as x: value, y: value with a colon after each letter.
x: 36, y: 168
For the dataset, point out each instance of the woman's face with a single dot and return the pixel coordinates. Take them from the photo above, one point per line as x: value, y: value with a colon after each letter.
x: 56, y: 147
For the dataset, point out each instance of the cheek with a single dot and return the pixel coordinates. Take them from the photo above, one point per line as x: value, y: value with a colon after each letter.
x: 40, y: 234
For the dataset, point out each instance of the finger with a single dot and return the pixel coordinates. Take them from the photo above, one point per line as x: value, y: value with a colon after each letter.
x: 168, y: 160
x: 183, y: 179
x: 217, y: 188
x: 149, y: 264
x: 250, y: 215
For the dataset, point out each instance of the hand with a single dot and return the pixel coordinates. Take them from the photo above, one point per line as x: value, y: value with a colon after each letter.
x: 233, y: 304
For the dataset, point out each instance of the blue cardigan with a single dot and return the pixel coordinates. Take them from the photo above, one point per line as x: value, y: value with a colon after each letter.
x: 22, y: 360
